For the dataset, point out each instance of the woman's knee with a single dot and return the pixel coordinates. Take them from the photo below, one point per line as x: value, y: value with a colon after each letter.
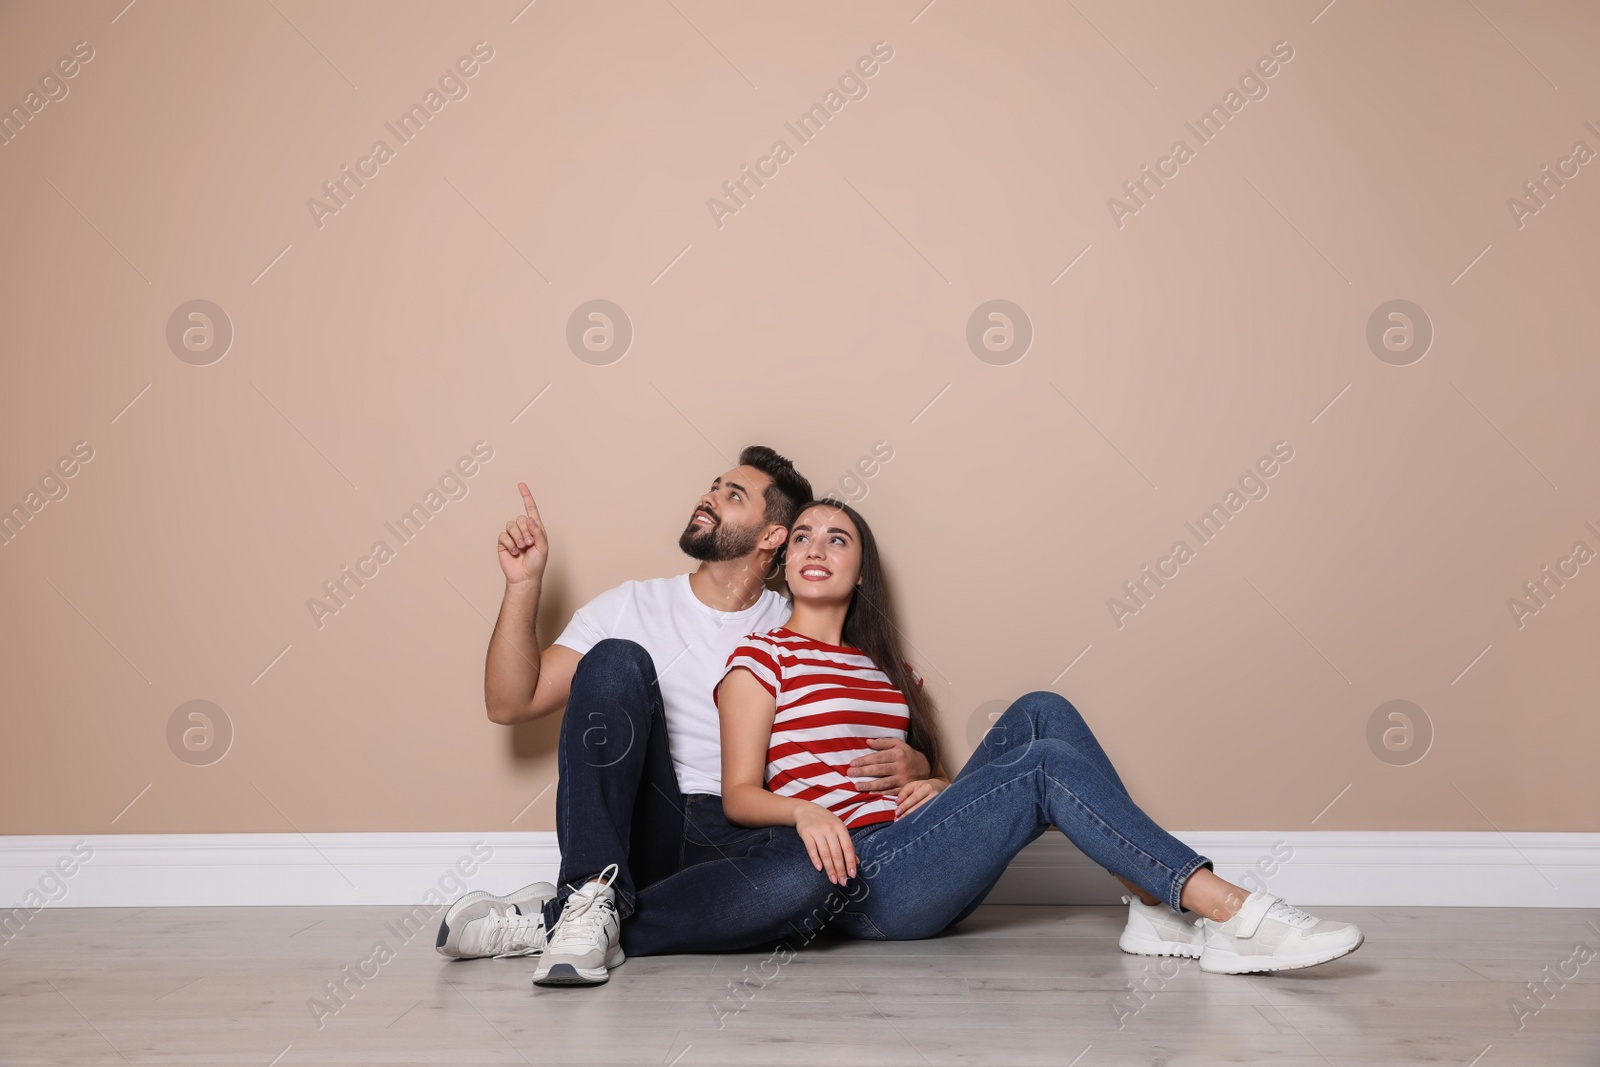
x: 1051, y: 714
x: 1052, y: 757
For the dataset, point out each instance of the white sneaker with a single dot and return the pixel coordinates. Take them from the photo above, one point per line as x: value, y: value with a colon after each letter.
x: 586, y: 941
x: 1269, y: 935
x: 1157, y: 930
x: 481, y: 924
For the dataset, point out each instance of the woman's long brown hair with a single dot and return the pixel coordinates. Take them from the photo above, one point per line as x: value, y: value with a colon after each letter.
x: 869, y: 625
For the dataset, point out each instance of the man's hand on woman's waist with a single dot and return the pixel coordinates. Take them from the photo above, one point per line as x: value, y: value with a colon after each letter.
x: 892, y: 765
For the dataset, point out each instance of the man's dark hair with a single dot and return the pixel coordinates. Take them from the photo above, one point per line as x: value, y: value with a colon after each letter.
x: 789, y: 488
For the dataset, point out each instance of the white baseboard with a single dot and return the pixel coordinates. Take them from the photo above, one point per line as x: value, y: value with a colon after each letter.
x: 1313, y: 869
x: 1346, y: 868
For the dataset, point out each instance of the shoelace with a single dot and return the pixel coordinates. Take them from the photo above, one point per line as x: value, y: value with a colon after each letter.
x: 584, y: 917
x: 582, y: 924
x: 511, y: 934
x: 1291, y: 915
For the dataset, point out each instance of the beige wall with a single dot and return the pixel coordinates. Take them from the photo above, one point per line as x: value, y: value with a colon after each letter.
x: 1223, y: 316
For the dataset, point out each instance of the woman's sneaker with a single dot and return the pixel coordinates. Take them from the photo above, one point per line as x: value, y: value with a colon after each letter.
x: 586, y: 941
x: 1269, y: 935
x: 1157, y: 930
x: 481, y: 924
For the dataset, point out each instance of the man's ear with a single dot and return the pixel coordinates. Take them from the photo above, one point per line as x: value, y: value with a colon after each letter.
x: 775, y: 537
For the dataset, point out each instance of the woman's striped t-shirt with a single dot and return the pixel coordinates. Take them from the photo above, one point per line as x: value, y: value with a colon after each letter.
x: 831, y: 700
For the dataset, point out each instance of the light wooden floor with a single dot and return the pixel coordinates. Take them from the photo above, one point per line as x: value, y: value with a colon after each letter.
x: 1016, y: 985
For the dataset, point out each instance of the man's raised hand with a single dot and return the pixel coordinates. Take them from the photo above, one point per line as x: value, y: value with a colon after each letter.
x: 524, y: 548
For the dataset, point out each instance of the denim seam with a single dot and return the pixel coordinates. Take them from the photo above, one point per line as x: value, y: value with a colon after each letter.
x: 1033, y: 720
x: 861, y: 916
x: 1129, y: 846
x: 1112, y: 831
x: 1182, y: 879
x: 683, y: 838
x: 1177, y: 880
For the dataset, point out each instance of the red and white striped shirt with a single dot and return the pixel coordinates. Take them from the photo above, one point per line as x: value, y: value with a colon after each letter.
x: 831, y: 700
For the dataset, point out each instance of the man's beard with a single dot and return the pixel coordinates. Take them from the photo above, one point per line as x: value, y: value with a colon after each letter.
x: 719, y: 543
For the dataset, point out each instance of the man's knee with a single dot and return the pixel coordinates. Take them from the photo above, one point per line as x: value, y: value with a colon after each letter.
x: 610, y: 707
x: 614, y: 669
x: 617, y: 657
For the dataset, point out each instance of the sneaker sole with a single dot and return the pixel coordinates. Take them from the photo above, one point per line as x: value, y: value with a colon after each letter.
x: 1144, y: 946
x: 567, y: 974
x: 475, y: 905
x: 1236, y: 964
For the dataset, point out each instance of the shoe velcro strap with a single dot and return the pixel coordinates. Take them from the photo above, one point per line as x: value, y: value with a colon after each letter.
x: 1253, y: 912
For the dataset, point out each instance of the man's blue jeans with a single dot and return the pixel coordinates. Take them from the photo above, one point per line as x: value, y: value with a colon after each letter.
x: 689, y: 880
x: 1038, y: 766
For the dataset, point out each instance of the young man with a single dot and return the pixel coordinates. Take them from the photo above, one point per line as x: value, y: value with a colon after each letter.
x: 647, y: 859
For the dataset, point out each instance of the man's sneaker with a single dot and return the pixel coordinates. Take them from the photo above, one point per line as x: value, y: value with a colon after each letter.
x: 481, y: 924
x: 1157, y: 930
x: 585, y: 943
x: 1269, y: 935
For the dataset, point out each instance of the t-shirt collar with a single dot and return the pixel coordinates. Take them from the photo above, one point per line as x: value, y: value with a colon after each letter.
x: 732, y: 616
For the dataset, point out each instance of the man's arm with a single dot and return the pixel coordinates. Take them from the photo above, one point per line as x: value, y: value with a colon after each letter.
x: 520, y: 683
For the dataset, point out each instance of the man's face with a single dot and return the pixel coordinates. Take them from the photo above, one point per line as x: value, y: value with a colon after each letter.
x: 728, y: 520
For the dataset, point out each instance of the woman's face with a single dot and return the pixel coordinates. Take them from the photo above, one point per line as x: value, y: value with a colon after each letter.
x: 823, y: 564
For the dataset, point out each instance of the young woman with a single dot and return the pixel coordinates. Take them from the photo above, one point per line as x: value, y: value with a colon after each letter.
x: 799, y: 703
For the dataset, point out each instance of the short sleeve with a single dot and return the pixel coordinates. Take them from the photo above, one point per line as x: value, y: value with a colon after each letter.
x: 756, y: 655
x: 595, y: 621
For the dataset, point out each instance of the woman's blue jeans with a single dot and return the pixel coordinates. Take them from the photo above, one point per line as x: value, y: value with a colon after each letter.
x: 1038, y: 766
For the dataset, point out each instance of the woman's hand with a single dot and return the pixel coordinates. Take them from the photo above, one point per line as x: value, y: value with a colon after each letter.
x: 917, y: 794
x: 827, y: 841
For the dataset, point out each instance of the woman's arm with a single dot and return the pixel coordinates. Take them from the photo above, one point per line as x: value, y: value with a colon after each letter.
x: 747, y: 711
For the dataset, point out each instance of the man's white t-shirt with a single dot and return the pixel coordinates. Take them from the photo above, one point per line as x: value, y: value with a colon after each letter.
x: 690, y: 644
